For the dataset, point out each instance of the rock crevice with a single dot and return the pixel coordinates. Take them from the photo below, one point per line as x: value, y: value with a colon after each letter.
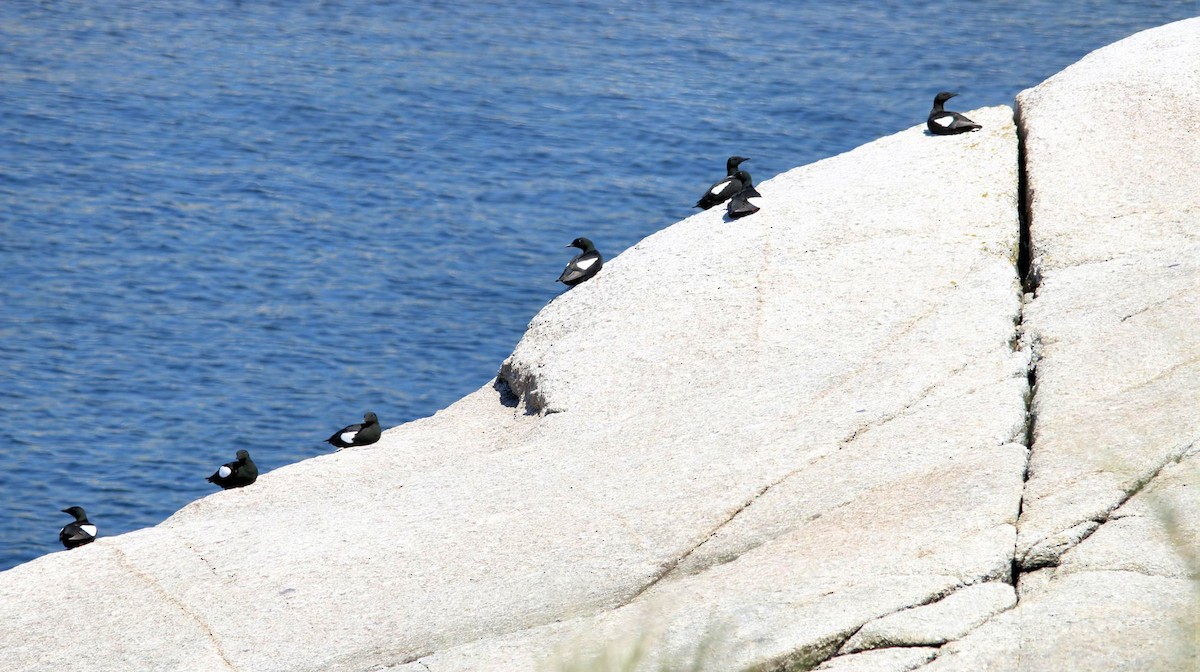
x: 167, y: 598
x: 1046, y: 553
x: 1107, y: 517
x: 847, y: 430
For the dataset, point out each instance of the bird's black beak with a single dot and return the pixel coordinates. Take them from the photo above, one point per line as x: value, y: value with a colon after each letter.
x: 568, y: 246
x: 64, y: 510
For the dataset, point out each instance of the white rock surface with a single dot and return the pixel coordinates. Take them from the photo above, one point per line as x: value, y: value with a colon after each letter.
x: 1111, y: 508
x: 1082, y: 622
x: 744, y: 442
x: 1156, y: 533
x: 881, y: 660
x: 1123, y: 599
x: 775, y: 429
x: 937, y: 623
x: 1114, y: 218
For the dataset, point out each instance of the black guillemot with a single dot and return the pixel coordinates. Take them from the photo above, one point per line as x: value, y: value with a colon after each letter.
x: 236, y: 474
x: 945, y: 122
x: 742, y: 204
x: 584, y: 265
x: 722, y: 190
x: 358, y: 435
x: 79, y: 532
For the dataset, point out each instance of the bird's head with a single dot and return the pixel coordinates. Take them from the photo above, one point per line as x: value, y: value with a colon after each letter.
x: 243, y: 455
x: 583, y: 244
x: 370, y: 418
x: 76, y: 511
x: 943, y: 97
x: 733, y: 162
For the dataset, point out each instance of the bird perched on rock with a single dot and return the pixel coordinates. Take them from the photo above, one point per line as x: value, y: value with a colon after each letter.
x: 236, y: 474
x: 584, y: 265
x: 945, y: 122
x: 357, y: 435
x: 732, y: 163
x: 79, y: 532
x: 721, y: 191
x: 743, y: 202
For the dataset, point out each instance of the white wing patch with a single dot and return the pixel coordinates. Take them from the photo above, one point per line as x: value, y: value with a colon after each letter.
x: 716, y: 189
x: 224, y: 471
x: 944, y: 122
x: 584, y: 264
x: 89, y: 530
x: 348, y: 437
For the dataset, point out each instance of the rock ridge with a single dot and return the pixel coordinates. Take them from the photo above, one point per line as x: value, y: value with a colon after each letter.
x: 1105, y: 556
x: 876, y: 426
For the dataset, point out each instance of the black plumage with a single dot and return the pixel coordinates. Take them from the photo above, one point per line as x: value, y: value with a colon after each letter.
x: 725, y: 188
x: 585, y: 265
x: 740, y: 205
x: 363, y: 434
x: 78, y: 533
x: 732, y: 163
x: 236, y: 474
x: 945, y: 122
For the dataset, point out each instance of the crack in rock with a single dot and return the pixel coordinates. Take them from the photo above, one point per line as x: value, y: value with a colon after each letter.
x: 669, y: 567
x: 931, y: 654
x: 1146, y: 308
x: 183, y: 608
x: 934, y: 623
x: 1030, y: 274
x: 806, y: 657
x: 1029, y: 269
x: 418, y: 658
x: 410, y: 659
x: 989, y: 619
x: 841, y: 642
x: 196, y: 553
x: 1044, y: 554
x: 1114, y: 570
x: 1030, y: 428
x: 903, y: 411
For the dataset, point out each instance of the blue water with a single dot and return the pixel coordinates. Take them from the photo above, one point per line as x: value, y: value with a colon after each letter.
x: 243, y: 224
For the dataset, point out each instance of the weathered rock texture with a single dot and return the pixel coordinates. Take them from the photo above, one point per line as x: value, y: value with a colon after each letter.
x: 790, y: 440
x: 778, y: 429
x: 937, y: 623
x: 806, y: 419
x: 1108, y: 536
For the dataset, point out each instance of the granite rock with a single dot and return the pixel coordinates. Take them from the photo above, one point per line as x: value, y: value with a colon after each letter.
x: 1113, y: 220
x: 790, y: 440
x: 937, y: 623
x: 1108, y: 539
x: 901, y: 659
x: 775, y: 429
x: 888, y: 500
